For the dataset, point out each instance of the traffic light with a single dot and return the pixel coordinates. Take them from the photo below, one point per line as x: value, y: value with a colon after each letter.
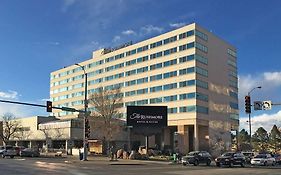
x: 87, y: 128
x: 49, y: 106
x: 248, y: 104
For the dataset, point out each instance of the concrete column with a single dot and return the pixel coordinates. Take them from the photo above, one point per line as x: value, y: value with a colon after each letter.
x: 30, y: 144
x: 196, y: 137
x: 182, y: 136
x: 68, y: 146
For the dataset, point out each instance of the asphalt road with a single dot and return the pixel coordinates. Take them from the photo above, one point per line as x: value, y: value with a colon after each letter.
x: 71, y: 166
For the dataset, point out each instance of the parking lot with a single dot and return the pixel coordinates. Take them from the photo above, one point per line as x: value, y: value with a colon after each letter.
x: 102, y: 165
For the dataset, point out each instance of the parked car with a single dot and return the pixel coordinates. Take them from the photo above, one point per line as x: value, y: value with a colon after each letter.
x: 277, y: 158
x: 1, y: 150
x: 230, y: 159
x: 263, y: 159
x: 29, y: 152
x: 248, y: 156
x: 18, y: 149
x: 196, y: 158
x: 9, y: 151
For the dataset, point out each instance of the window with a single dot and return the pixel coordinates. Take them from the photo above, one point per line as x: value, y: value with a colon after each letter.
x: 170, y: 51
x: 186, y: 71
x: 170, y: 63
x: 186, y: 34
x: 130, y: 83
x: 156, y: 55
x: 128, y: 63
x: 117, y: 66
x: 202, y: 84
x: 170, y: 40
x: 156, y: 100
x: 201, y: 35
x: 131, y: 52
x: 141, y: 49
x: 170, y: 86
x: 120, y: 75
x: 142, y: 91
x: 202, y: 71
x: 233, y: 105
x: 142, y: 59
x: 187, y: 109
x: 232, y: 63
x: 186, y: 58
x: 156, y: 66
x: 170, y: 98
x: 202, y: 109
x: 156, y: 44
x: 156, y: 89
x: 187, y: 96
x: 142, y: 80
x: 232, y: 52
x: 170, y: 74
x: 108, y: 78
x: 202, y: 97
x: 110, y: 68
x: 187, y: 83
x: 201, y: 59
x: 172, y: 110
x: 119, y: 56
x: 156, y: 77
x: 201, y: 47
x: 233, y: 94
x: 232, y: 73
x: 142, y: 102
x: 131, y: 72
x: 233, y: 84
x: 130, y: 93
x: 109, y: 59
x: 186, y: 46
x: 143, y: 69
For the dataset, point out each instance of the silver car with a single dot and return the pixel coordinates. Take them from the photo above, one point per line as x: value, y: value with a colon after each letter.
x: 263, y: 159
x: 9, y: 151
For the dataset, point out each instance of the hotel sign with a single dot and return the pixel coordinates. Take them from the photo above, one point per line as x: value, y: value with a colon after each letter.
x: 108, y: 50
x: 147, y: 116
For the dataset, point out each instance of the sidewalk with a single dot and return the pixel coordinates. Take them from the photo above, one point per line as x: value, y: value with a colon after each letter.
x: 106, y: 160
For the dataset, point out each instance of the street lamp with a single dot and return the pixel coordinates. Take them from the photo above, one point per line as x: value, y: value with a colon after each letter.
x: 85, y: 114
x: 250, y: 125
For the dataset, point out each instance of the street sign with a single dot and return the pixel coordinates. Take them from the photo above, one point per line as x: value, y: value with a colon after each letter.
x: 68, y: 109
x: 258, y: 105
x: 266, y: 105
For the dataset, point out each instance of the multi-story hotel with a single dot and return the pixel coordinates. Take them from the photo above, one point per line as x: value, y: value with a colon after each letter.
x: 189, y: 69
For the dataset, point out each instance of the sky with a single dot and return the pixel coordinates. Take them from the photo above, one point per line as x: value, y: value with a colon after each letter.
x: 38, y: 37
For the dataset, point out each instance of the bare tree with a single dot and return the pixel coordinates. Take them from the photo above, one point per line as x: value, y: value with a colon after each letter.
x: 107, y: 104
x: 11, y: 126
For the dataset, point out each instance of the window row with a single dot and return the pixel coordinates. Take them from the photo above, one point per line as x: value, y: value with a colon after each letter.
x: 138, y: 50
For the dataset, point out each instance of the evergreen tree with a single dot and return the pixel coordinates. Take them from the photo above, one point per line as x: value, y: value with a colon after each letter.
x: 260, y: 139
x: 274, y: 138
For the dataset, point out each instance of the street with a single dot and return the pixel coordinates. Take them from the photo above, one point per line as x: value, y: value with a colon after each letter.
x: 102, y: 166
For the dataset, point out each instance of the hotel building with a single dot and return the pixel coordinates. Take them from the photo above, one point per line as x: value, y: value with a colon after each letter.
x: 189, y: 69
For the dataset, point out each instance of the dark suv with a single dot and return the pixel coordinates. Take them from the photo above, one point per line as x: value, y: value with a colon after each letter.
x: 230, y: 159
x: 197, y: 157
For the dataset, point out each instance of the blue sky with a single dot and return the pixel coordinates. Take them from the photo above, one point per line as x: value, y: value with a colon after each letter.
x: 38, y: 37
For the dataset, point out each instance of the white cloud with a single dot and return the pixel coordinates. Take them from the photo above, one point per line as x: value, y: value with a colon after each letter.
x: 270, y: 83
x: 273, y: 77
x: 116, y: 38
x: 9, y: 95
x: 66, y: 4
x: 177, y: 25
x: 151, y: 29
x: 129, y: 32
x: 264, y: 120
